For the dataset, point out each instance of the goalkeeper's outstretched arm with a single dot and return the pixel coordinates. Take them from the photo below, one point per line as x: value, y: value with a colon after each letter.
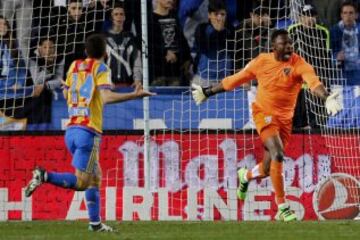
x: 200, y: 94
x: 308, y: 74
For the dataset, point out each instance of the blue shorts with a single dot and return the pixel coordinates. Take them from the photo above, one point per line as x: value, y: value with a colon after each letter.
x: 84, y: 148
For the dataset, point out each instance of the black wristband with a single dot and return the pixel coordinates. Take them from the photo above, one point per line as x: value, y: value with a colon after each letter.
x: 208, y: 91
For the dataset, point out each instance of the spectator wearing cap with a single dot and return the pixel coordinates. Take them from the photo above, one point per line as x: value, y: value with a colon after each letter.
x: 213, y: 60
x: 345, y: 43
x: 312, y: 42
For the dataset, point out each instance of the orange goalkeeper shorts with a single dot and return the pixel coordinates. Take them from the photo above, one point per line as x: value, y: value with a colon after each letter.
x: 269, y: 126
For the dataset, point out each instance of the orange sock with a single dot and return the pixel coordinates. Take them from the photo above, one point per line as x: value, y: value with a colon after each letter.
x: 277, y: 181
x: 256, y: 172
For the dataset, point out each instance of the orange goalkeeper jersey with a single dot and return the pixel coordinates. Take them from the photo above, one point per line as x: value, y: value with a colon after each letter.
x: 279, y: 82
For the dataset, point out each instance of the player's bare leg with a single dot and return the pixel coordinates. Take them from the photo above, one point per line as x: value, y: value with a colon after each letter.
x: 261, y: 170
x: 276, y: 150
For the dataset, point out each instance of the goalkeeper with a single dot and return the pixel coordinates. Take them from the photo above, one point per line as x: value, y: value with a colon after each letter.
x: 280, y: 75
x: 87, y: 89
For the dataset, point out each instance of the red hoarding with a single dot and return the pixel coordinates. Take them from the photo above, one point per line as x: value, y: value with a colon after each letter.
x: 192, y: 177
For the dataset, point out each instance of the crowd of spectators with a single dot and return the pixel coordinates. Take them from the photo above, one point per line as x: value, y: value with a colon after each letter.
x: 198, y: 41
x: 310, y: 41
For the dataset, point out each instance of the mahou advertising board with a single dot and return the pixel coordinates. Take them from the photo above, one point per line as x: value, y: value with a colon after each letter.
x: 192, y: 177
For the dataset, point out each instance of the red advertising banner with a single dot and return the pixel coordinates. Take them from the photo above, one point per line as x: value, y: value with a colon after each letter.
x: 192, y: 177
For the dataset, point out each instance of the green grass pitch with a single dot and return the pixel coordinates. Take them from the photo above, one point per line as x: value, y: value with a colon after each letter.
x: 312, y: 230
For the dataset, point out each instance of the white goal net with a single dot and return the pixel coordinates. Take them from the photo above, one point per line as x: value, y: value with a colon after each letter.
x: 195, y: 151
x: 210, y: 142
x: 39, y: 40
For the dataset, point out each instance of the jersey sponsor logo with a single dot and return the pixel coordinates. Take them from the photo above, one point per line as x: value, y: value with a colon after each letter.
x: 287, y: 71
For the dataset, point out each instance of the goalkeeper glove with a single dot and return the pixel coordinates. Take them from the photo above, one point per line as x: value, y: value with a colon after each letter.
x: 200, y: 94
x: 332, y: 105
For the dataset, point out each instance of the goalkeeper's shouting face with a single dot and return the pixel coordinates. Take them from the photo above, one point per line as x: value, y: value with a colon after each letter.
x: 282, y: 45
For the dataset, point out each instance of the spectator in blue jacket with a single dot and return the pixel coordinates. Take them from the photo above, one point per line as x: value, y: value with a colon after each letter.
x: 22, y: 12
x: 213, y: 59
x: 192, y: 13
x: 12, y: 67
x: 345, y: 43
x: 13, y: 75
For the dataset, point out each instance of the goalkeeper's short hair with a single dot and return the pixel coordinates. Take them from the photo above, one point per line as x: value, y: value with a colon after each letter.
x: 277, y: 33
